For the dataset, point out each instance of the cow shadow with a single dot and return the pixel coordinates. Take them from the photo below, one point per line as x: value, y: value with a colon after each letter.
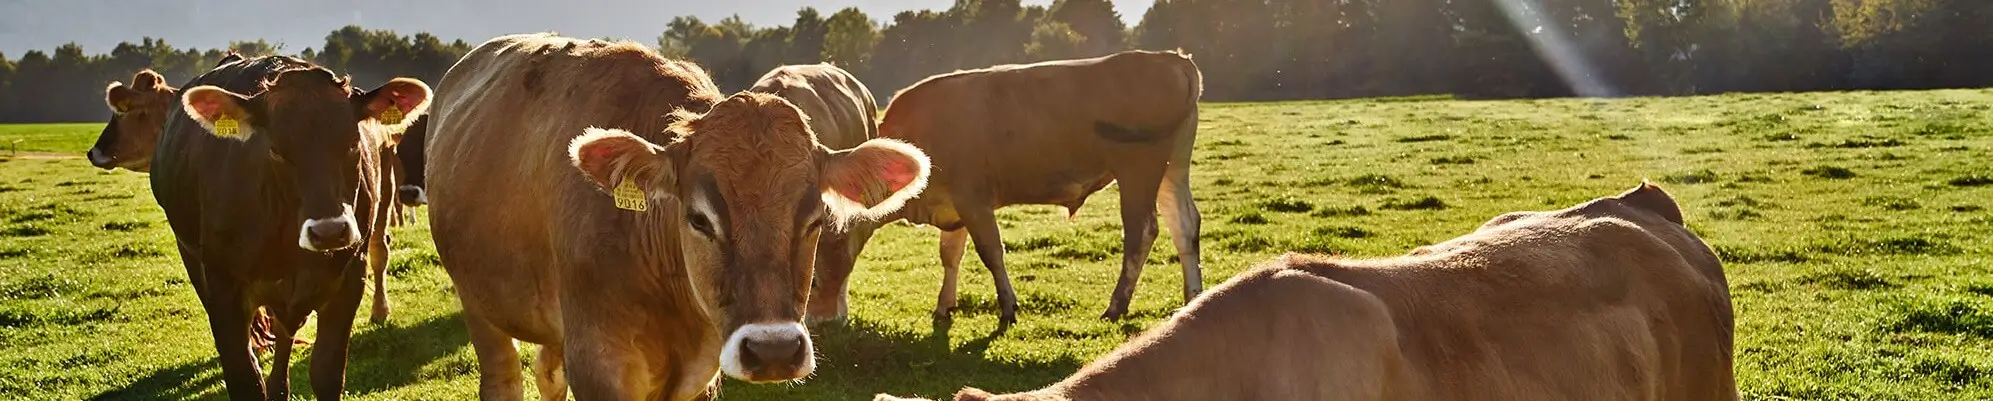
x: 180, y: 382
x: 389, y: 356
x: 857, y: 359
x: 378, y: 359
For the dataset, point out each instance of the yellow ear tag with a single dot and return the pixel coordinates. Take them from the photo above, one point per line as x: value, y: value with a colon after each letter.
x: 628, y: 197
x: 391, y: 116
x: 227, y: 127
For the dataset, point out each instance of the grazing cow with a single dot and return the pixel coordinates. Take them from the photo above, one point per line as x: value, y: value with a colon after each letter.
x: 843, y: 115
x: 1612, y: 299
x: 645, y: 250
x: 409, y: 171
x: 270, y: 179
x: 138, y: 112
x: 1051, y: 133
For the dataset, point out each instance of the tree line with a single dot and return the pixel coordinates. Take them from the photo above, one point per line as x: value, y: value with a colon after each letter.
x: 1248, y: 49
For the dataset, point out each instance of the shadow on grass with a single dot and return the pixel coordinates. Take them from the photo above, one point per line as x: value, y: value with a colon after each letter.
x: 378, y: 359
x: 184, y: 381
x: 858, y: 358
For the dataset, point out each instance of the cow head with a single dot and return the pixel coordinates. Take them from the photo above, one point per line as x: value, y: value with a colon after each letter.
x: 748, y: 190
x: 138, y: 113
x: 311, y: 122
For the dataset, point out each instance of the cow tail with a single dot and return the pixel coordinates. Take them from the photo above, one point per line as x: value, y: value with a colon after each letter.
x: 1186, y: 131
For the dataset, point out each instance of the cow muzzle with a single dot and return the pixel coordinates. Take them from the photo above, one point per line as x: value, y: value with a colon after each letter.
x: 326, y: 235
x: 411, y: 195
x: 768, y: 352
x: 101, y: 160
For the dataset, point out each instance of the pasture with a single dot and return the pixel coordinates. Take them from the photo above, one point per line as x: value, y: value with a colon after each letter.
x: 1855, y: 228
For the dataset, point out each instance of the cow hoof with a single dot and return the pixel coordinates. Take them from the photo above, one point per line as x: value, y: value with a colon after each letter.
x: 1008, y: 318
x: 943, y: 314
x: 379, y: 316
x: 1113, y: 314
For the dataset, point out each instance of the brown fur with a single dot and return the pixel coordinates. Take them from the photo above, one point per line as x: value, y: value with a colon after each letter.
x: 1052, y: 133
x: 843, y: 114
x: 1612, y: 299
x: 138, y: 112
x: 625, y: 304
x: 242, y: 250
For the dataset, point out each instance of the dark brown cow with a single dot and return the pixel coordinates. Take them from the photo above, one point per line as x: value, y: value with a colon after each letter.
x: 1051, y: 133
x: 1612, y: 299
x: 843, y: 115
x: 646, y: 251
x: 270, y: 178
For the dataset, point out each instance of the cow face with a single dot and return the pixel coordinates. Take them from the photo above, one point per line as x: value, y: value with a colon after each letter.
x: 751, y: 190
x: 311, y: 122
x: 138, y: 113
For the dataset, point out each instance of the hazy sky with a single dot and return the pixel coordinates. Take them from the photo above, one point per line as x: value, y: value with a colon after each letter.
x: 98, y: 25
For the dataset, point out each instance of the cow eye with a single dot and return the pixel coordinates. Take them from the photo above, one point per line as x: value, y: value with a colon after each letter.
x: 699, y: 222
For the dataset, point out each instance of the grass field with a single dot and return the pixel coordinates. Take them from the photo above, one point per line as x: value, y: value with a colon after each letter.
x: 1855, y: 226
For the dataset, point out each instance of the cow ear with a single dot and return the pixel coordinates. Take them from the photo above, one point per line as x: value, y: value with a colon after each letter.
x: 118, y: 97
x: 396, y: 104
x: 872, y: 180
x: 610, y: 157
x: 972, y: 394
x: 223, y: 113
x: 146, y: 80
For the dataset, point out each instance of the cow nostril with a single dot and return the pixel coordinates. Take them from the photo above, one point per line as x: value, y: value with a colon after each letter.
x: 780, y: 351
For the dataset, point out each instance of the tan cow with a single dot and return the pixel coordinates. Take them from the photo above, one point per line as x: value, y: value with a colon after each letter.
x: 1612, y: 299
x: 645, y: 250
x: 1051, y: 133
x: 843, y: 114
x: 138, y: 112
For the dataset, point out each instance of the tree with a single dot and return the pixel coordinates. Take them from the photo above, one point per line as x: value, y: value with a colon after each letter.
x: 1054, y: 41
x: 849, y: 39
x: 807, y: 37
x: 1093, y: 20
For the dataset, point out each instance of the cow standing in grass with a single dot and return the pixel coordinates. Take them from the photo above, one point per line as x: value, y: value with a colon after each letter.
x: 843, y: 115
x: 1050, y: 133
x: 270, y: 177
x: 645, y: 250
x: 1612, y: 299
x: 142, y: 110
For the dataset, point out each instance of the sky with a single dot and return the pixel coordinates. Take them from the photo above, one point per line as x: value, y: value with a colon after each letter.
x: 98, y: 25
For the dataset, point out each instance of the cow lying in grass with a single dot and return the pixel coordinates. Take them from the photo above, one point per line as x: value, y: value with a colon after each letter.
x: 1613, y: 299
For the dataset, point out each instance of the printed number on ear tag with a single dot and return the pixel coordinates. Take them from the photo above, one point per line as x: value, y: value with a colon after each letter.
x: 228, y: 127
x: 628, y: 197
x: 391, y: 116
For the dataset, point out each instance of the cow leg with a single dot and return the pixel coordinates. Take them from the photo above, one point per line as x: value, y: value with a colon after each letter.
x: 335, y: 331
x: 377, y: 263
x: 953, y: 244
x: 228, y: 320
x: 284, y: 326
x: 1138, y: 235
x: 1180, y: 217
x: 982, y: 224
x: 497, y: 361
x: 549, y: 375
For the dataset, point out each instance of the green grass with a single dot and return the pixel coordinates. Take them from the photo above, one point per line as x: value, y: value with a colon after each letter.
x: 1855, y: 227
x: 68, y: 138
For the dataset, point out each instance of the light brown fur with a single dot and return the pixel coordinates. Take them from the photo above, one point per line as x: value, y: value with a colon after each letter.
x: 1613, y: 299
x: 138, y: 113
x: 843, y: 114
x: 532, y: 135
x: 1053, y: 133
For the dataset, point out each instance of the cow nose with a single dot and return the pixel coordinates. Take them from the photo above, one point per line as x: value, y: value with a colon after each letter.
x: 329, y: 234
x: 97, y: 158
x: 412, y: 195
x: 768, y: 352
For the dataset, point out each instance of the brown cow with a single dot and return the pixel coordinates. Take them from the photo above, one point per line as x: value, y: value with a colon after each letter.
x: 647, y: 256
x: 138, y: 112
x: 270, y: 178
x: 1612, y: 299
x: 1051, y: 133
x: 843, y: 114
